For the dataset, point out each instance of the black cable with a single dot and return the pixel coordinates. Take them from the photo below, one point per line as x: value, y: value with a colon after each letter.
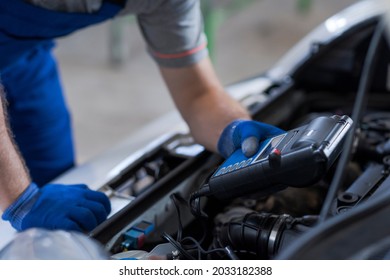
x: 358, y: 109
x: 195, y: 201
x: 177, y: 245
x: 175, y: 198
x: 227, y: 250
x: 204, y: 191
x: 195, y: 208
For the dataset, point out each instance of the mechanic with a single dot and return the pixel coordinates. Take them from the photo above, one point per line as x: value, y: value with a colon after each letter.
x: 40, y: 121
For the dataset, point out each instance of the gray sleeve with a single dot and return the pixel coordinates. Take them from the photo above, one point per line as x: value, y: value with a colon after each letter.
x: 174, y: 33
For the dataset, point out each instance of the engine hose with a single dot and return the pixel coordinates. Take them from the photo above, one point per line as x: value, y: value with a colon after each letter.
x: 258, y: 234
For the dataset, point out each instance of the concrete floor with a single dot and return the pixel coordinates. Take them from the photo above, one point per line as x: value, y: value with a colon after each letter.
x: 108, y: 103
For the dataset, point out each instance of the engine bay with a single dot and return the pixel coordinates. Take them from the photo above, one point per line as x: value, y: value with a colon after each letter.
x: 158, y: 219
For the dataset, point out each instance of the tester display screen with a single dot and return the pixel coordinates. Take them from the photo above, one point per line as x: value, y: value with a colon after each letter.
x: 269, y: 148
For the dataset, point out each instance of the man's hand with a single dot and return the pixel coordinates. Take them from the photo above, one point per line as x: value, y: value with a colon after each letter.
x: 54, y: 206
x: 245, y: 134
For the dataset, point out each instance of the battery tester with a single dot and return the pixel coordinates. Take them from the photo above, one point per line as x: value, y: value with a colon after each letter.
x: 297, y: 158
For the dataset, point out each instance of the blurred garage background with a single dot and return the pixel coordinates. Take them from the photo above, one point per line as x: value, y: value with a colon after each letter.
x: 113, y: 87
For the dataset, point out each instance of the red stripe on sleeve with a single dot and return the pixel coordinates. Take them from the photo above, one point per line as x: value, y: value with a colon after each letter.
x: 181, y: 54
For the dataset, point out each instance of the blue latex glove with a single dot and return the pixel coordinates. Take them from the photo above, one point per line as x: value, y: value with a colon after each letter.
x: 245, y: 134
x: 54, y: 206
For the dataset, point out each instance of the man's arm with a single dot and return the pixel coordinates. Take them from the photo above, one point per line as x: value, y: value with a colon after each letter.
x: 14, y: 178
x: 173, y: 30
x: 202, y: 101
x: 54, y: 206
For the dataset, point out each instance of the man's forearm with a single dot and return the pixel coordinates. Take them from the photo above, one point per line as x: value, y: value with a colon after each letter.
x: 210, y: 114
x: 202, y: 101
x: 14, y: 177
